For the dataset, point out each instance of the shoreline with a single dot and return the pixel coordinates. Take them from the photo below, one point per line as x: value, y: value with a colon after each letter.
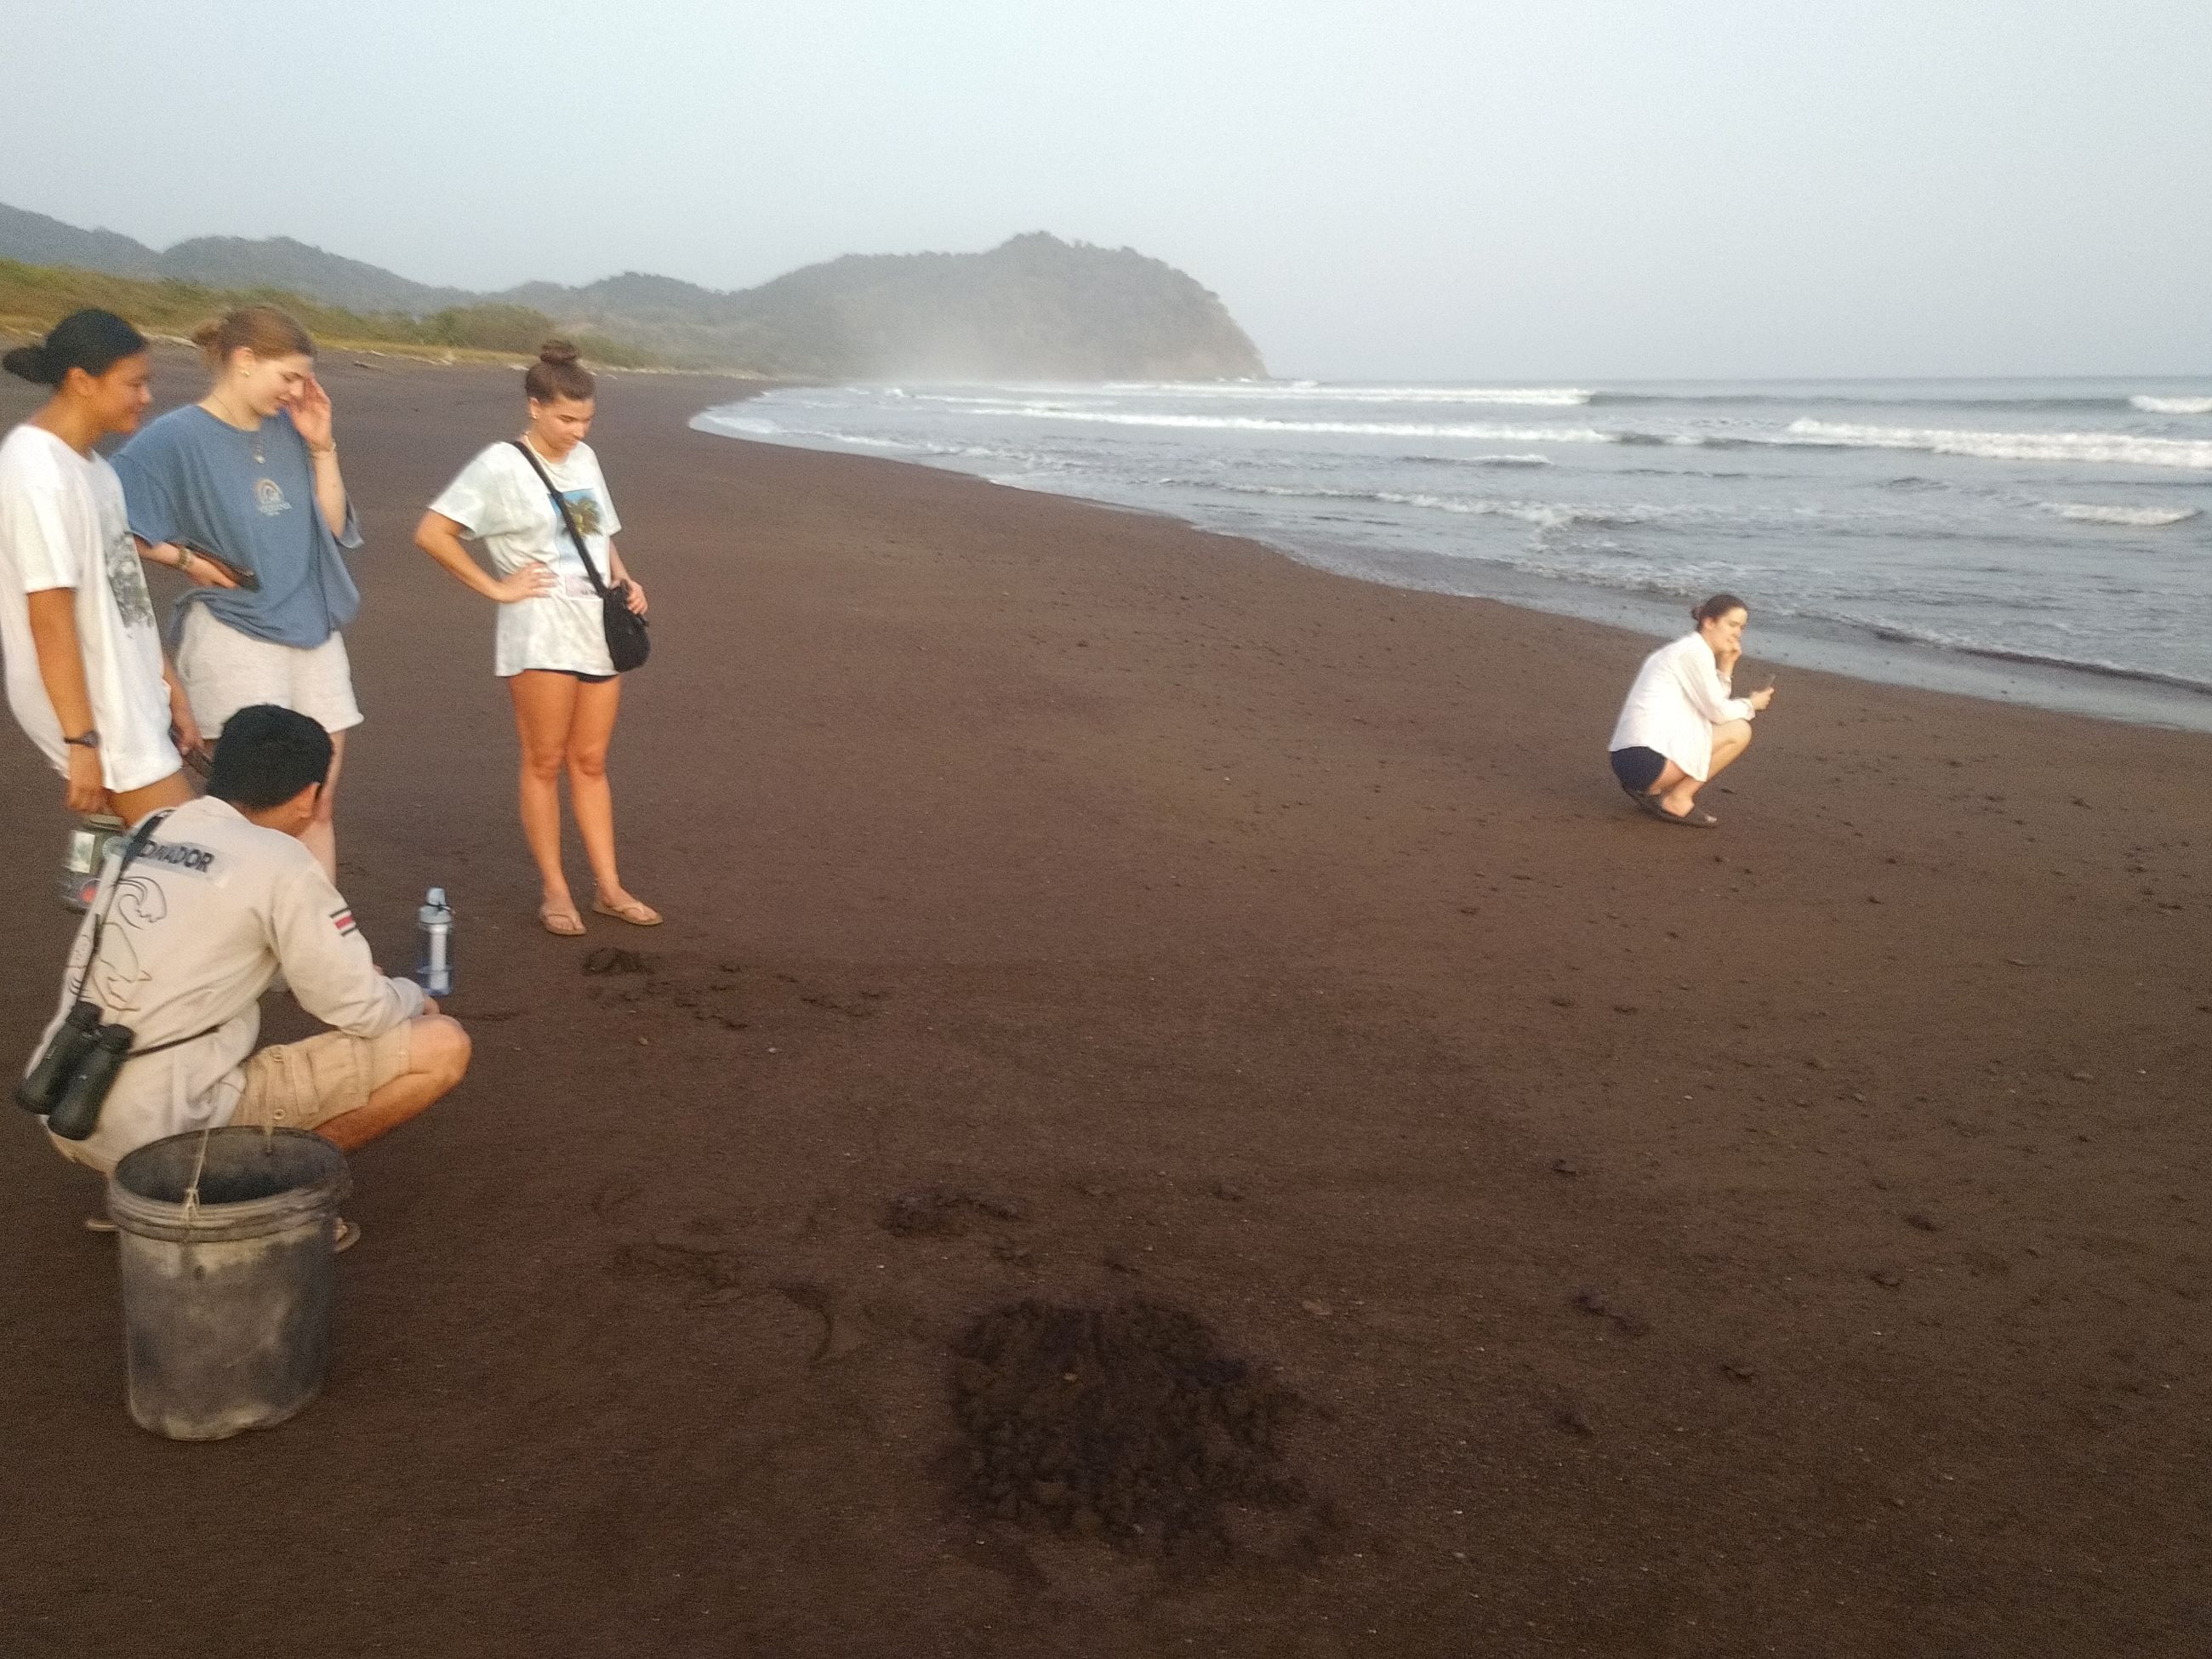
x: 2111, y: 693
x: 1780, y: 1241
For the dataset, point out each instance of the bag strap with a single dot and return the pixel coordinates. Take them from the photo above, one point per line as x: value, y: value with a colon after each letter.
x: 561, y: 503
x: 131, y: 849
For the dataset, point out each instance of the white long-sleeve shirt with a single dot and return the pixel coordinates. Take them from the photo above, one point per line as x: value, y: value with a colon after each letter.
x: 1678, y: 696
x: 202, y: 920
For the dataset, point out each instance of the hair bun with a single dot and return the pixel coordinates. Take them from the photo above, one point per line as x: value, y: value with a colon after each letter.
x: 30, y: 363
x: 559, y: 353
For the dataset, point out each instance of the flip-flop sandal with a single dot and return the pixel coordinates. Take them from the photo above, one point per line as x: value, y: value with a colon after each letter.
x: 1693, y: 819
x: 99, y: 1223
x: 561, y: 923
x: 637, y: 913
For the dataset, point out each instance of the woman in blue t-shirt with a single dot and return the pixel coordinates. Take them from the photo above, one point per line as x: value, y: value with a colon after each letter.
x: 242, y: 492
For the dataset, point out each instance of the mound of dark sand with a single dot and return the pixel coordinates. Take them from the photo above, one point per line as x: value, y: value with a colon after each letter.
x: 1127, y: 1422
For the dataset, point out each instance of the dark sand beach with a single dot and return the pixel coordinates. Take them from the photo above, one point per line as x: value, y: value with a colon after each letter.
x: 1787, y: 1240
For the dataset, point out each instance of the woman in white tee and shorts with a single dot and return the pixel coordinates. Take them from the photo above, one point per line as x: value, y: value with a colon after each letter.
x: 551, y: 640
x: 86, y: 679
x: 249, y: 477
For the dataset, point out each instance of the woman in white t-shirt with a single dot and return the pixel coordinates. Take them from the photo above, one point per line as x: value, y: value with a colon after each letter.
x: 87, y: 680
x: 551, y: 641
x: 1683, y: 722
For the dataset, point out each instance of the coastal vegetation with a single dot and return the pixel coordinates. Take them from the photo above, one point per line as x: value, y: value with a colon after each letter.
x: 33, y: 298
x: 1035, y: 308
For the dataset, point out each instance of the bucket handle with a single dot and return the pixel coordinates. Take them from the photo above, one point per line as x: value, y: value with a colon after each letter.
x: 192, y: 1191
x: 199, y: 1163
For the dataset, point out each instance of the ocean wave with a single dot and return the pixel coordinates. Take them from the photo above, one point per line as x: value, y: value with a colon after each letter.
x: 2151, y: 405
x: 2145, y: 518
x: 1546, y: 515
x: 1549, y: 396
x: 1481, y: 461
x: 1479, y: 431
x: 2111, y: 447
x: 1967, y: 645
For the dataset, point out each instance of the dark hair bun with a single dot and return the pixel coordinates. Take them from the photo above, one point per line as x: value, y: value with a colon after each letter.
x: 559, y: 353
x: 92, y: 340
x: 30, y: 363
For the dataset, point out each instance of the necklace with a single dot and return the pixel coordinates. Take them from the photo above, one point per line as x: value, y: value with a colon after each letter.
x: 251, y: 434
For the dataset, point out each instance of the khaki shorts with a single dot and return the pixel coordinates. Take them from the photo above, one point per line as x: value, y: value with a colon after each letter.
x: 224, y: 671
x: 299, y: 1085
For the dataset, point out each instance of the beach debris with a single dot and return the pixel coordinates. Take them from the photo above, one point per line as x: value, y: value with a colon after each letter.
x: 1572, y: 1419
x: 1566, y: 1166
x: 1563, y: 1002
x: 614, y: 959
x: 1130, y: 1422
x: 2082, y: 1077
x: 1924, y: 1221
x: 945, y: 1211
x: 1229, y: 1191
x: 1885, y: 1278
x: 1739, y: 1372
x: 1317, y: 1308
x: 1115, y: 1258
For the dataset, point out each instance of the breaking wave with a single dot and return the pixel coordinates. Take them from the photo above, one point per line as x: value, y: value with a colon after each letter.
x: 2112, y: 448
x: 2140, y: 517
x: 2151, y: 405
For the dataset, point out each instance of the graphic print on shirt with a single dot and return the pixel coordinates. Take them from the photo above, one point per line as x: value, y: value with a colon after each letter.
x: 583, y: 508
x: 269, y: 498
x: 116, y: 976
x: 126, y: 581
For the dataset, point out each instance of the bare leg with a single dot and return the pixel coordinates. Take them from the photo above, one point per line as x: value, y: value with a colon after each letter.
x: 544, y: 708
x: 321, y: 835
x: 1678, y: 791
x: 437, y: 1058
x: 132, y: 804
x: 590, y: 795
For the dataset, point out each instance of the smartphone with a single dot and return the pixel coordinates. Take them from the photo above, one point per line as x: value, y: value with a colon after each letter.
x: 245, y: 578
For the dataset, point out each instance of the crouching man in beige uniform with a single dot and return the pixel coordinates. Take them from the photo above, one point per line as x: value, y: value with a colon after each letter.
x: 222, y: 894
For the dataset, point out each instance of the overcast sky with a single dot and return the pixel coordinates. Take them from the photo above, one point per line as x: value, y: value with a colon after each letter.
x: 1546, y: 190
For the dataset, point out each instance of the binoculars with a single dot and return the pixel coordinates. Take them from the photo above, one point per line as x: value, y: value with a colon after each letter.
x: 69, y: 1083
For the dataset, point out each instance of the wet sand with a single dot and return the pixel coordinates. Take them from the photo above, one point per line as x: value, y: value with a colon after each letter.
x: 1784, y: 1240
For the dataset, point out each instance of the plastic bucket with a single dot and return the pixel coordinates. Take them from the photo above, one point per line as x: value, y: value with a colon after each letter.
x: 226, y: 1301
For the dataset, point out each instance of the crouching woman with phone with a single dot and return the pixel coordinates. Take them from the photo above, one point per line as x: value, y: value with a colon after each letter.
x: 539, y: 506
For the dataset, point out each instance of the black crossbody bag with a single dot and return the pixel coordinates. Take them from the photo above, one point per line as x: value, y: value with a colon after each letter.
x: 628, y: 643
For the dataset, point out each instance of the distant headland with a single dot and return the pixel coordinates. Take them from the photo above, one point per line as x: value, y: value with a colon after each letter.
x: 1035, y: 308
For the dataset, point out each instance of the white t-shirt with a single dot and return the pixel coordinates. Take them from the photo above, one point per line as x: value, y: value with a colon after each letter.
x: 1678, y: 696
x: 62, y: 525
x: 503, y: 503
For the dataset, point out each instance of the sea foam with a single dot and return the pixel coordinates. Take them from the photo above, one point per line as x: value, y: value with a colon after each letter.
x: 2145, y: 518
x: 1481, y: 430
x: 2151, y: 405
x: 2095, y: 446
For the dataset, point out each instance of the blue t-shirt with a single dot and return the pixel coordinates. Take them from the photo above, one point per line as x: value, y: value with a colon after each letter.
x: 250, y: 498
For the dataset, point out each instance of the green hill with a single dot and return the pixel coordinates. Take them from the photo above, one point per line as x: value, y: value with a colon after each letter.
x: 1035, y: 308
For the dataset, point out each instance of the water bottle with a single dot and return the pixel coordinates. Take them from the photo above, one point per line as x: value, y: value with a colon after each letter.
x: 433, y: 953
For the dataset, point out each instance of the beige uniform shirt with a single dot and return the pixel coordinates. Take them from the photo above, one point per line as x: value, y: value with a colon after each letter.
x: 202, y: 920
